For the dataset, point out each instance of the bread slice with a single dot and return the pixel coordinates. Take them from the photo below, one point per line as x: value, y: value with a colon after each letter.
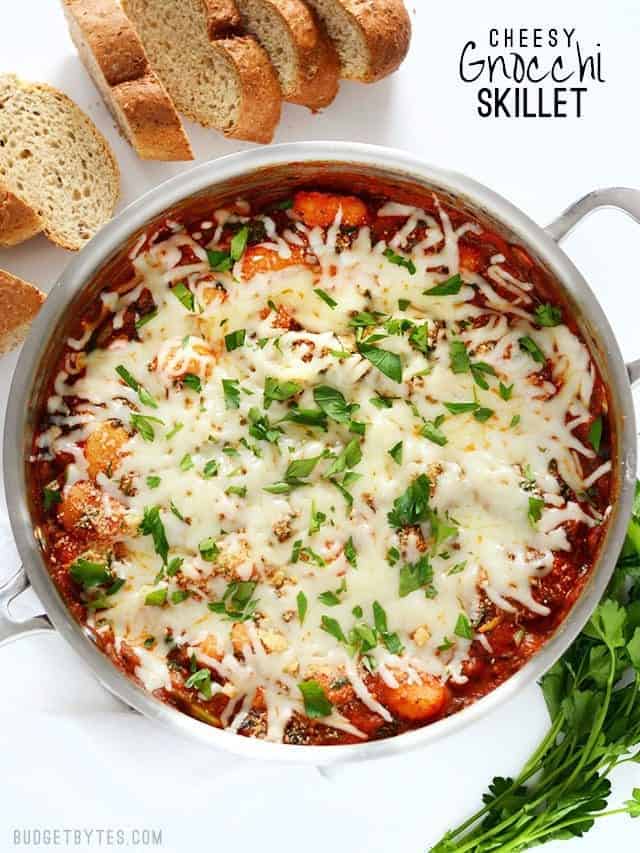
x: 215, y: 76
x: 54, y: 158
x: 116, y: 60
x: 19, y: 304
x: 371, y: 36
x: 18, y: 221
x: 301, y: 52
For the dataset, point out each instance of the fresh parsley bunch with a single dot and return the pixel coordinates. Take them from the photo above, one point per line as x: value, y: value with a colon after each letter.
x: 593, y: 698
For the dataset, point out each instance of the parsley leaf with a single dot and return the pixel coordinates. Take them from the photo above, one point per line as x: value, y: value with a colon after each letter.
x: 151, y: 525
x: 184, y: 296
x: 595, y: 433
x: 412, y: 507
x: 235, y: 340
x: 459, y: 357
x: 400, y: 261
x: 388, y: 363
x: 527, y: 344
x: 274, y: 389
x: 316, y: 704
x: 548, y: 315
x: 325, y: 297
x: 450, y: 287
x: 415, y: 576
x: 231, y: 391
x: 396, y: 453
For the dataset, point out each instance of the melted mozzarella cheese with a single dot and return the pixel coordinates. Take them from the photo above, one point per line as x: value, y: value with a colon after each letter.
x: 477, y: 477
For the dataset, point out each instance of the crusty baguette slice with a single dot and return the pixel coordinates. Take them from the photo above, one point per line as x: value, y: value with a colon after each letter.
x: 215, y: 76
x: 19, y: 304
x: 299, y: 48
x: 371, y: 36
x: 116, y: 60
x: 18, y: 220
x: 54, y: 158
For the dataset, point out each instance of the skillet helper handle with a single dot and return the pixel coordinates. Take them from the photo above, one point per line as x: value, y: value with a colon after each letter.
x: 9, y: 628
x: 621, y: 198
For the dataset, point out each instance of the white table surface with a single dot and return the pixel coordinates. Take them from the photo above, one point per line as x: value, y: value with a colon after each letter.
x: 71, y: 756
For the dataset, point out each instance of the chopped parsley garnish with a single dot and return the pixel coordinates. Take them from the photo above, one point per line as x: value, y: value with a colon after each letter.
x: 432, y: 431
x: 325, y: 297
x: 153, y: 481
x: 396, y: 452
x: 172, y: 432
x: 450, y: 287
x: 365, y: 319
x: 333, y: 404
x: 318, y: 518
x: 219, y: 260
x: 506, y: 392
x: 144, y: 425
x: 350, y: 553
x: 146, y: 318
x: 388, y: 363
x: 238, y: 604
x: 261, y: 429
x: 400, y: 261
x: 536, y: 505
x: 348, y: 458
x: 239, y: 243
x: 192, y: 381
x: 483, y: 414
x: 461, y: 408
x: 595, y: 433
x: 210, y: 469
x: 390, y: 640
x: 527, y: 344
x: 393, y: 555
x: 235, y: 340
x: 240, y: 491
x: 143, y: 395
x: 175, y: 565
x: 419, y: 338
x: 415, y: 576
x: 301, y: 604
x: 157, y: 598
x: 186, y: 462
x: 174, y: 509
x: 50, y: 497
x: 332, y: 598
x: 231, y: 391
x: 381, y: 402
x: 316, y: 704
x: 412, y: 507
x: 90, y: 574
x: 179, y: 595
x: 306, y: 417
x: 515, y: 420
x: 463, y: 627
x: 294, y: 476
x: 200, y: 680
x: 457, y: 569
x: 459, y: 357
x: 548, y: 315
x: 184, y: 295
x: 151, y: 525
x: 274, y: 389
x: 208, y: 549
x: 403, y: 304
x: 332, y: 626
x: 478, y: 370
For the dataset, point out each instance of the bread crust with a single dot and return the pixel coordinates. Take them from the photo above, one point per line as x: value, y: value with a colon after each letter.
x: 318, y: 65
x: 151, y: 119
x: 102, y: 32
x: 386, y: 28
x: 261, y: 97
x: 18, y: 220
x: 19, y: 304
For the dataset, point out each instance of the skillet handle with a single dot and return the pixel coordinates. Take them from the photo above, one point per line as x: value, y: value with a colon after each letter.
x: 9, y: 628
x: 620, y: 198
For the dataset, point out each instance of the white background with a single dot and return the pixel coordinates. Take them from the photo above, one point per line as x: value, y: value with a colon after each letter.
x: 73, y: 756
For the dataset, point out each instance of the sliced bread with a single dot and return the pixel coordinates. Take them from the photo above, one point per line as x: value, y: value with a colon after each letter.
x: 18, y: 220
x: 300, y: 50
x: 19, y: 304
x: 116, y: 60
x: 371, y: 36
x: 54, y: 158
x: 216, y: 76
